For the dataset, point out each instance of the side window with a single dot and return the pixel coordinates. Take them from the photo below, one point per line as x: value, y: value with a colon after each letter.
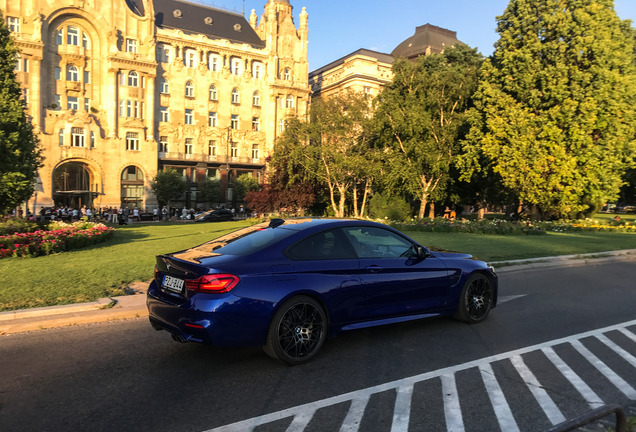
x: 371, y: 242
x: 325, y: 245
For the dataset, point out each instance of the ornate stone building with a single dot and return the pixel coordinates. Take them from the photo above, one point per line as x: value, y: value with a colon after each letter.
x: 120, y: 89
x: 368, y: 71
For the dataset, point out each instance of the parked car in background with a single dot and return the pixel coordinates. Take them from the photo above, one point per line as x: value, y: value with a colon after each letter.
x: 215, y: 216
x: 287, y: 285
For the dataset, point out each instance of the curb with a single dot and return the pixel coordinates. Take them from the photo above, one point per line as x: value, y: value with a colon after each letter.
x: 563, y: 260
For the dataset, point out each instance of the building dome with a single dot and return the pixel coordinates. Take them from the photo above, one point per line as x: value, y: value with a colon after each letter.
x: 428, y: 39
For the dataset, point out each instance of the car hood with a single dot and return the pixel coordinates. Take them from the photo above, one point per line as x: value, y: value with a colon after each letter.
x: 452, y: 255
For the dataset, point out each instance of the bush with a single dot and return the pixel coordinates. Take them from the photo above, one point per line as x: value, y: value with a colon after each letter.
x: 12, y: 225
x: 387, y: 207
x: 62, y: 237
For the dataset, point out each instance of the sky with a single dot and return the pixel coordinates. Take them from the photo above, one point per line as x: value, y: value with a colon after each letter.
x: 340, y: 27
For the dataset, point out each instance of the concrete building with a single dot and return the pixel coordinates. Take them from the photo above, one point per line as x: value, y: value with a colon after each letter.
x: 120, y: 89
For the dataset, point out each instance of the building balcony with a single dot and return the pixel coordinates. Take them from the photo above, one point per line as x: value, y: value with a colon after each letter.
x: 222, y: 159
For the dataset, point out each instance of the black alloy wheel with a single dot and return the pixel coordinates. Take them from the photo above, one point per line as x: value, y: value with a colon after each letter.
x: 297, y: 331
x: 476, y: 299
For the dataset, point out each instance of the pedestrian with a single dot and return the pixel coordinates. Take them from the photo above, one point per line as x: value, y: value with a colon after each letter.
x: 155, y: 214
x: 164, y: 213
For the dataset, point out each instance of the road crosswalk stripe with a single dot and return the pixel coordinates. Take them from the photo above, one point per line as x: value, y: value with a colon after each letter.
x: 452, y: 407
x: 354, y: 416
x: 548, y: 406
x: 402, y: 411
x: 498, y: 400
x: 608, y: 373
x: 618, y: 350
x: 301, y: 415
x: 588, y: 394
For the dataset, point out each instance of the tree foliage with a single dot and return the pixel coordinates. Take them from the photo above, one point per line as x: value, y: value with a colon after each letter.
x: 209, y: 191
x: 168, y: 185
x: 20, y: 155
x: 331, y: 149
x: 555, y: 117
x: 421, y: 115
x: 242, y: 185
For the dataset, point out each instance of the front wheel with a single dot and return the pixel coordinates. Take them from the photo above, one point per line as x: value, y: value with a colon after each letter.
x: 476, y: 299
x: 297, y: 332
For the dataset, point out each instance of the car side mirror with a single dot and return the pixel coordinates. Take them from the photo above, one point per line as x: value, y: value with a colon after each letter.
x: 422, y: 252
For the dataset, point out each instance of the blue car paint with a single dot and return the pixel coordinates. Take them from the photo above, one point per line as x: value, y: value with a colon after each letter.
x: 353, y: 293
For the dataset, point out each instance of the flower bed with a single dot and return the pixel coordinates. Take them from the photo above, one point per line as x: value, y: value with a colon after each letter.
x: 59, y: 237
x: 500, y: 226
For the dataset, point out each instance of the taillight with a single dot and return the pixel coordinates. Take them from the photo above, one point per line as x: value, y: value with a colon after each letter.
x: 156, y: 274
x: 214, y: 283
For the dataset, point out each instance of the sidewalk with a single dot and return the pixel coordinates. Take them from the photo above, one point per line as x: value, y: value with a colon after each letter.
x: 134, y: 306
x: 104, y: 309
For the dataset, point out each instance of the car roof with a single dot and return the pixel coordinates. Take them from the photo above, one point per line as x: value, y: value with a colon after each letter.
x: 300, y: 224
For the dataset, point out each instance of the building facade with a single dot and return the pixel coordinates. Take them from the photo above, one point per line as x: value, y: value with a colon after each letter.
x: 119, y: 90
x: 368, y: 71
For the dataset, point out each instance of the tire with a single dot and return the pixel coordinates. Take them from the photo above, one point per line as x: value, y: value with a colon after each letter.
x: 476, y: 299
x: 297, y: 331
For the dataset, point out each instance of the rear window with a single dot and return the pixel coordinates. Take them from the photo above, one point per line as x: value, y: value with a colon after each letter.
x: 252, y: 242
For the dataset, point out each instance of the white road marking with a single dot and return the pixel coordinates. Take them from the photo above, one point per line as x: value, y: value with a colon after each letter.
x: 612, y: 376
x: 402, y: 411
x: 498, y: 400
x: 588, y: 394
x: 546, y: 403
x: 354, y: 416
x: 361, y: 396
x: 452, y: 407
x: 504, y: 299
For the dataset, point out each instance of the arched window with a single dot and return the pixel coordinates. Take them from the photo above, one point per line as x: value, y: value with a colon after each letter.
x: 133, y: 79
x: 132, y: 187
x: 72, y: 36
x: 72, y: 73
x: 289, y: 102
x: 287, y: 74
x: 189, y: 89
x: 164, y: 86
x: 213, y: 93
x: 235, y: 96
x: 256, y: 99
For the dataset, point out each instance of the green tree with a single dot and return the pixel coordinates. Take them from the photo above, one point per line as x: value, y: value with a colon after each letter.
x: 209, y: 191
x: 420, y: 117
x: 242, y: 185
x: 20, y: 155
x: 556, y: 119
x: 168, y: 185
x: 330, y: 149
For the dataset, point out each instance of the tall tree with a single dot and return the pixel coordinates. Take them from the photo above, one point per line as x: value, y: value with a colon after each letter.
x: 556, y: 104
x: 20, y: 155
x: 330, y: 149
x: 420, y: 117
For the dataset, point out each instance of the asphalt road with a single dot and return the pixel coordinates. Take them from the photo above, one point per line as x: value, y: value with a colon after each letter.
x: 435, y: 374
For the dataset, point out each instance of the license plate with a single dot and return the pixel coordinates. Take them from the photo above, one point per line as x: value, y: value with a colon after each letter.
x: 172, y: 284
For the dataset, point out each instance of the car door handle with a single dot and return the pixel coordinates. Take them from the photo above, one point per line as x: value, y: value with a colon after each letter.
x: 374, y: 268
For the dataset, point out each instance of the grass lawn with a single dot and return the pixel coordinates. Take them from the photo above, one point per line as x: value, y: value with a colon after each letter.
x: 105, y: 269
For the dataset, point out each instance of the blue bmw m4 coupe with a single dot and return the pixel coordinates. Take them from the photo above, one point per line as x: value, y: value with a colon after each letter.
x: 288, y: 285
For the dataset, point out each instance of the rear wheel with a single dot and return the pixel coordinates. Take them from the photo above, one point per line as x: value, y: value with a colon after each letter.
x: 297, y: 332
x: 476, y: 299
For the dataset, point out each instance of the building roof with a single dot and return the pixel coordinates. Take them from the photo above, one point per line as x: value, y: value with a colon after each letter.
x: 427, y: 39
x: 198, y: 19
x: 385, y: 58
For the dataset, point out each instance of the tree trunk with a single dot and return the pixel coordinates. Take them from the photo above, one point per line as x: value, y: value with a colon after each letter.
x: 431, y: 210
x: 364, y: 199
x: 423, y: 205
x: 355, y: 201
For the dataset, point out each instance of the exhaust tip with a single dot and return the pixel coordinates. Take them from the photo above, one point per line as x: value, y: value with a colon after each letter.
x: 178, y: 338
